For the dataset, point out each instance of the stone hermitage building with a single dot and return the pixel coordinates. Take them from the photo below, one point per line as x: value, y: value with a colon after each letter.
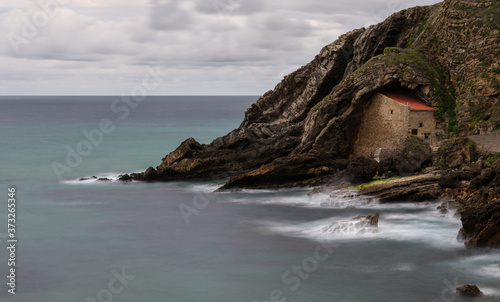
x: 389, y: 119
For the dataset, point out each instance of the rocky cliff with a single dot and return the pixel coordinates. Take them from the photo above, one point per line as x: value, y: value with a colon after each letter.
x: 303, y: 131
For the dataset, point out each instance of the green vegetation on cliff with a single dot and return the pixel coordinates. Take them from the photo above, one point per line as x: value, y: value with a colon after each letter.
x: 415, y: 61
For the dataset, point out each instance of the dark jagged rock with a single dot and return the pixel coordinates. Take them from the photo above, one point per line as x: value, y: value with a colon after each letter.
x: 125, y: 177
x: 150, y: 174
x: 481, y: 225
x: 103, y: 179
x: 479, y: 198
x: 469, y: 291
x: 283, y: 173
x: 371, y: 219
x: 362, y: 169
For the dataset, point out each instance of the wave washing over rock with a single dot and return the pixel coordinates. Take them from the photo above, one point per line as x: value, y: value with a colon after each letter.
x: 358, y: 225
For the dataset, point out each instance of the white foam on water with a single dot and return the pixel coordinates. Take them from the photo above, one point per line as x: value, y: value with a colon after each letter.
x: 346, y: 227
x: 414, y: 222
x: 492, y: 270
x: 340, y: 199
x: 204, y: 188
x: 112, y: 176
x: 490, y: 291
x: 403, y: 267
x: 488, y: 258
x: 299, y: 201
x: 398, y: 267
x: 482, y: 265
x: 427, y: 227
x: 299, y: 198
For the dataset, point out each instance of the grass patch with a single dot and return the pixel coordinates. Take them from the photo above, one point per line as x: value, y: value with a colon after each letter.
x: 392, y: 50
x: 395, y: 56
x: 491, y: 158
x: 374, y: 183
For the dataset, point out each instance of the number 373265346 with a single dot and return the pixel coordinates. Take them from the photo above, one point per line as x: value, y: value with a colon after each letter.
x: 11, y: 216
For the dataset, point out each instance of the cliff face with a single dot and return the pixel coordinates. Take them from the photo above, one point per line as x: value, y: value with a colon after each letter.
x: 463, y: 38
x: 303, y: 131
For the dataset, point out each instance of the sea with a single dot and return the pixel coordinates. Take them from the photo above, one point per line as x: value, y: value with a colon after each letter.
x: 91, y: 240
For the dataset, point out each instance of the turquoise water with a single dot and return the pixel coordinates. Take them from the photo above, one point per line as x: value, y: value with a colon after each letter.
x: 252, y: 245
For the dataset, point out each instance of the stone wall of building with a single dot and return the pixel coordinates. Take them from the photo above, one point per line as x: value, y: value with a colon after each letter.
x: 422, y: 124
x: 384, y: 126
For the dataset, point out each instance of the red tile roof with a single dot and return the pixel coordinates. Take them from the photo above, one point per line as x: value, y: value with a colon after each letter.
x: 414, y: 102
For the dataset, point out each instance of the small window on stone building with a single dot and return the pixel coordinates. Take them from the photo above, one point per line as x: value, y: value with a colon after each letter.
x: 392, y: 111
x: 421, y: 125
x: 414, y: 131
x: 427, y: 135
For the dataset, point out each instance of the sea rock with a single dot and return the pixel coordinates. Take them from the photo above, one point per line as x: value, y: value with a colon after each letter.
x: 481, y: 225
x: 103, y: 179
x: 356, y: 225
x: 443, y: 208
x: 362, y: 169
x: 371, y: 219
x: 150, y: 173
x: 186, y: 150
x: 469, y: 290
x: 125, y: 177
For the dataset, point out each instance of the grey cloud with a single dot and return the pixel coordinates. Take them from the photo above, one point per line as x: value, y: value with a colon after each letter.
x: 168, y: 15
x: 287, y: 26
x: 247, y: 51
x: 351, y: 6
x: 233, y: 7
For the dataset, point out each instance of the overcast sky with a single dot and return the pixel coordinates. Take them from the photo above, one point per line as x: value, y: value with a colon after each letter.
x: 202, y: 47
